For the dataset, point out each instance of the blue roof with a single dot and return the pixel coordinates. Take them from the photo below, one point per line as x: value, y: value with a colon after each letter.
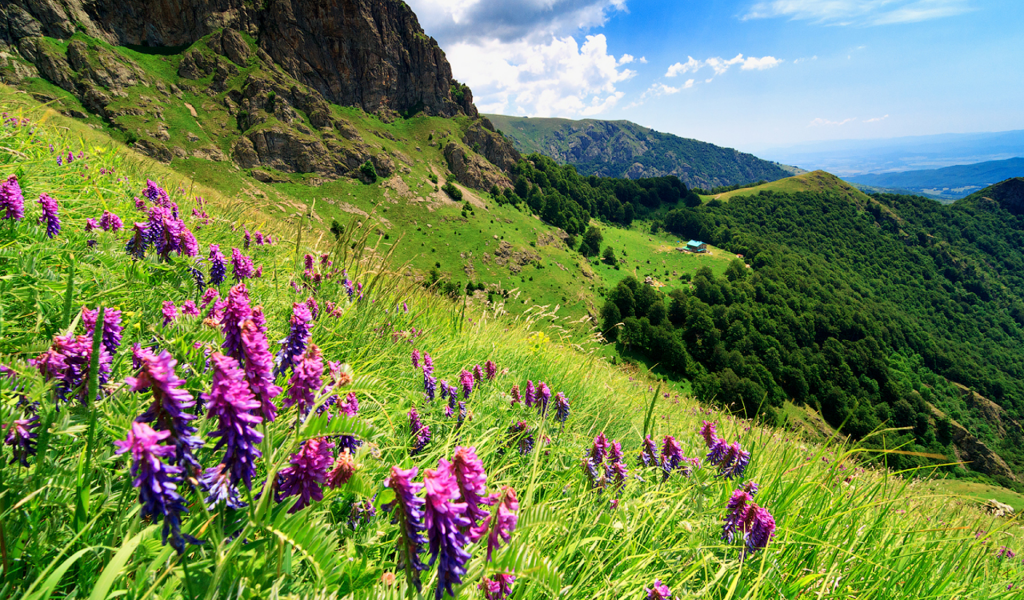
x: 694, y: 243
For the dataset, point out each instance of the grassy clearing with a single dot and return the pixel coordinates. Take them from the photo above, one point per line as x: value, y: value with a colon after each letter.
x: 815, y: 181
x: 71, y: 524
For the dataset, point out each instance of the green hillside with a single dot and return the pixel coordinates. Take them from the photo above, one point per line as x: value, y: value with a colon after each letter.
x: 87, y: 433
x: 625, y: 149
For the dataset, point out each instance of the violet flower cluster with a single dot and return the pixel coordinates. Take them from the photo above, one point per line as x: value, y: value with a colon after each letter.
x: 499, y: 588
x: 420, y: 432
x: 68, y: 362
x: 22, y: 439
x: 12, y: 201
x: 754, y: 523
x: 241, y: 265
x: 306, y: 380
x: 600, y: 472
x: 231, y: 403
x: 295, y: 344
x: 218, y: 266
x: 50, y: 215
x: 307, y: 472
x: 672, y: 458
x: 731, y: 459
x: 111, y: 327
x: 658, y: 591
x: 407, y: 512
x: 170, y: 401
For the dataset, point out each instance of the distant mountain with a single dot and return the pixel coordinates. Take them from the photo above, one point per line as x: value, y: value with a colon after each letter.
x: 946, y: 183
x: 625, y: 149
x: 858, y: 157
x: 1008, y: 194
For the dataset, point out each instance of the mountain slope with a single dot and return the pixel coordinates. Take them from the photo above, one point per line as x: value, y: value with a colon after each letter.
x: 625, y: 149
x: 948, y: 182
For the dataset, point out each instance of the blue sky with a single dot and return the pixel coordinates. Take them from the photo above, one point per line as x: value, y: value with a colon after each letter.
x: 749, y: 74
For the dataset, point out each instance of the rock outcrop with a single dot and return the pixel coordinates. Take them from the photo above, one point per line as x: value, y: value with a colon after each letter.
x: 367, y: 53
x: 472, y: 170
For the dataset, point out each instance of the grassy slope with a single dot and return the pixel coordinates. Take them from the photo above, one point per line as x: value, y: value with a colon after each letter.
x: 815, y: 181
x: 843, y: 532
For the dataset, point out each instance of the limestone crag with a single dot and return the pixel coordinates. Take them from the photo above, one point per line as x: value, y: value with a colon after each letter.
x: 371, y: 54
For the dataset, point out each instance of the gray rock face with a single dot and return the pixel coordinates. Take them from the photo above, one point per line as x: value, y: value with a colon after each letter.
x: 473, y: 171
x: 371, y: 54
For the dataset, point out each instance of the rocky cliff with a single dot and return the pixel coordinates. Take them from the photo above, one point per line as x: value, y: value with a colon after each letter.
x: 371, y: 54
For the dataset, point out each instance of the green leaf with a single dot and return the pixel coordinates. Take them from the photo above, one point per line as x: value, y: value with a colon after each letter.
x: 51, y: 582
x: 116, y: 565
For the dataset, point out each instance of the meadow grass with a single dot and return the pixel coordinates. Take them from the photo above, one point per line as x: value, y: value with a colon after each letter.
x: 71, y: 524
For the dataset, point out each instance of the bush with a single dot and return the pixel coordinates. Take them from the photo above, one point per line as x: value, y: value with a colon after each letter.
x: 453, y: 192
x: 369, y: 173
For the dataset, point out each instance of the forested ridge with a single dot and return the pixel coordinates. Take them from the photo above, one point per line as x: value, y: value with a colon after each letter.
x: 865, y: 313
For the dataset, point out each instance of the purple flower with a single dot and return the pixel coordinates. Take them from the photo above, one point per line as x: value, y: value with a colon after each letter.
x: 140, y: 205
x: 543, y: 396
x: 156, y: 481
x: 762, y: 529
x: 649, y: 452
x: 350, y: 405
x: 499, y: 588
x: 258, y: 364
x: 466, y: 378
x: 344, y: 469
x: 156, y: 193
x: 314, y: 308
x: 740, y: 512
x: 111, y: 327
x: 407, y: 512
x: 241, y: 265
x: 12, y: 202
x: 521, y: 436
x: 91, y: 225
x: 718, y: 449
x: 1005, y: 552
x: 307, y: 261
x: 420, y: 431
x: 170, y: 401
x: 259, y: 238
x: 429, y: 386
x: 307, y: 471
x: 478, y: 373
x: 295, y: 344
x: 491, y: 369
x: 68, y: 361
x: 22, y: 439
x: 750, y: 487
x: 707, y: 431
x: 659, y: 591
x: 170, y: 312
x: 246, y: 240
x: 462, y: 413
x: 138, y: 242
x: 472, y: 481
x: 515, y: 394
x: 217, y: 266
x: 445, y: 520
x: 415, y: 358
x: 671, y: 453
x: 231, y: 402
x: 307, y: 379
x: 600, y: 448
x: 735, y: 461
x: 189, y: 309
x: 236, y: 313
x: 561, y: 408
x: 50, y: 216
x: 500, y: 525
x: 209, y: 296
x: 110, y: 222
x: 428, y: 364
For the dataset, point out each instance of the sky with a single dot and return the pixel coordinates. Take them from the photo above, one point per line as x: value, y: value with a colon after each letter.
x: 747, y: 74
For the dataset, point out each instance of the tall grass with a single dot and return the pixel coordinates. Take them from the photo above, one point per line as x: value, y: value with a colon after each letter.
x: 70, y: 522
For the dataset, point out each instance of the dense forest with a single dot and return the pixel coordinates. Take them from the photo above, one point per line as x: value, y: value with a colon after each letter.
x: 568, y: 200
x: 862, y: 312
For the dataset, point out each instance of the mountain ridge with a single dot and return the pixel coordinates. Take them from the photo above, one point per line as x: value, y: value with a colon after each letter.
x: 626, y: 149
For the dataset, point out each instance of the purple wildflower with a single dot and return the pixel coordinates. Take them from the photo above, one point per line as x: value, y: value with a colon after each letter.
x: 466, y: 379
x: 217, y: 267
x: 543, y: 396
x: 659, y: 591
x: 344, y: 469
x: 521, y: 436
x: 138, y: 242
x: 671, y: 454
x: 420, y: 431
x: 499, y: 525
x: 259, y: 238
x: 236, y: 313
x: 499, y: 588
x: 709, y: 433
x: 91, y: 225
x: 189, y: 309
x: 649, y: 452
x: 22, y: 439
x: 407, y: 510
x: 717, y: 451
x: 209, y: 296
x: 314, y: 308
x: 600, y: 448
x: 307, y: 471
x: 491, y: 369
x: 735, y: 461
x: 462, y: 413
x: 762, y: 529
x: 156, y: 193
x: 258, y: 364
x: 295, y: 344
x: 12, y: 202
x: 246, y: 240
x: 478, y: 373
x: 169, y: 404
x: 561, y: 408
x: 738, y: 507
x: 472, y: 480
x: 111, y: 327
x: 140, y: 205
x: 515, y: 394
x: 231, y: 402
x: 50, y: 215
x: 307, y: 261
x: 307, y: 378
x: 68, y: 360
x: 350, y: 405
x: 241, y: 265
x: 445, y: 520
x: 170, y: 312
x: 110, y: 222
x: 415, y: 358
x: 156, y: 481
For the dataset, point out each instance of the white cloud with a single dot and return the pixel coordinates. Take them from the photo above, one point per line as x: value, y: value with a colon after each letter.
x: 858, y: 12
x: 760, y: 64
x: 690, y: 65
x: 555, y: 78
x: 626, y: 59
x: 720, y: 65
x: 825, y: 122
x: 876, y: 119
x: 800, y: 60
x: 643, y: 60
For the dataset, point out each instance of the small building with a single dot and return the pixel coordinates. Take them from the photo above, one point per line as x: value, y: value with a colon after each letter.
x: 696, y: 246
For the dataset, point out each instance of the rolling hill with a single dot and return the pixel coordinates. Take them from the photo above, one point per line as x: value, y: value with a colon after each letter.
x: 947, y: 183
x: 625, y: 149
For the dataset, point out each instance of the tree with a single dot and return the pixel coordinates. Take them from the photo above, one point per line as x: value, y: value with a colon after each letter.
x: 610, y: 318
x: 622, y: 296
x: 369, y: 172
x: 609, y: 255
x: 736, y: 271
x: 591, y: 244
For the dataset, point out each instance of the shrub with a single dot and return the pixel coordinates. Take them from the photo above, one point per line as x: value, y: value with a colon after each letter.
x: 453, y: 192
x: 369, y: 173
